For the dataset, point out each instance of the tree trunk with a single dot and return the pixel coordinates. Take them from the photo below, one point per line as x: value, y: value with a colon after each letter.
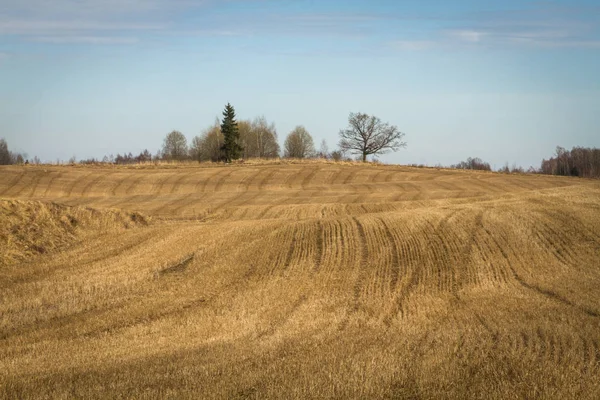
x: 364, y: 157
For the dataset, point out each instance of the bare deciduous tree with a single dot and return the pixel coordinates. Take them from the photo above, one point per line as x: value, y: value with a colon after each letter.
x: 323, y: 150
x: 299, y: 144
x: 367, y: 135
x: 175, y: 146
x: 207, y: 146
x: 5, y: 156
x: 259, y: 138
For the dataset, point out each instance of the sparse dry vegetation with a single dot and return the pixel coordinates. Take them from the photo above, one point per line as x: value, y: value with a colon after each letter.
x: 290, y: 279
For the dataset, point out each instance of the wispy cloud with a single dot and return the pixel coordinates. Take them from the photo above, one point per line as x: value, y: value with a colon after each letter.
x: 544, y: 25
x: 87, y: 21
x: 107, y: 40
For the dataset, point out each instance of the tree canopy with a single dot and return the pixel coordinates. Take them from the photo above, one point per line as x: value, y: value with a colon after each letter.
x: 367, y: 135
x: 299, y: 144
x: 175, y: 146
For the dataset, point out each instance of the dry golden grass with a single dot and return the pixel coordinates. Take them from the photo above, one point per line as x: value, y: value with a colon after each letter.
x: 301, y: 280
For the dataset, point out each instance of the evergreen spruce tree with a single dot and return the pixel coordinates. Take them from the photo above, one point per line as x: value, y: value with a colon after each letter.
x: 231, y: 148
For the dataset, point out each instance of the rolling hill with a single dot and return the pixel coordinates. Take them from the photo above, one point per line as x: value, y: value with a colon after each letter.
x: 297, y: 280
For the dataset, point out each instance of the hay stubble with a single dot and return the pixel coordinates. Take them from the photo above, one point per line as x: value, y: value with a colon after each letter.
x: 307, y: 280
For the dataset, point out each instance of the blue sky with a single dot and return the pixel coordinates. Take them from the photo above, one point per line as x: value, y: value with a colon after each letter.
x: 506, y: 81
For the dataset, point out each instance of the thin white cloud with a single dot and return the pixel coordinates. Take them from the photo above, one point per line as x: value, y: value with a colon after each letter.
x: 469, y: 36
x: 128, y: 21
x: 36, y: 27
x: 86, y: 40
x: 84, y: 21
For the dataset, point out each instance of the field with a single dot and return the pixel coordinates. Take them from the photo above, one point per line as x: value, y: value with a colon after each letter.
x: 300, y: 280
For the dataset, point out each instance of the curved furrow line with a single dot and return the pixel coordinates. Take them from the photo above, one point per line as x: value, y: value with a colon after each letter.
x: 86, y: 255
x: 35, y: 183
x: 590, y: 355
x: 262, y: 184
x: 514, y: 181
x: 541, y: 346
x: 546, y: 293
x: 221, y: 180
x: 417, y: 256
x: 352, y: 174
x: 173, y: 206
x: 329, y: 248
x: 286, y: 244
x: 296, y: 179
x: 157, y: 188
x: 118, y: 183
x: 179, y: 177
x: 468, y: 273
x: 283, y: 319
x: 376, y: 176
x: 438, y: 254
x: 405, y: 253
x: 134, y: 183
x: 308, y: 178
x: 496, y: 247
x: 54, y: 177
x: 555, y: 345
x: 23, y: 184
x: 241, y: 199
x: 17, y: 178
x: 484, y: 250
x: 389, y: 176
x: 309, y: 247
x: 335, y: 176
x: 395, y: 261
x: 379, y: 260
x: 202, y: 183
x: 87, y: 188
x: 459, y: 256
x: 287, y: 178
x: 241, y: 183
x: 249, y: 179
x: 264, y: 212
x: 319, y: 258
x: 69, y: 191
x: 350, y: 235
x: 548, y: 247
x: 362, y: 263
x: 595, y: 355
x: 569, y: 232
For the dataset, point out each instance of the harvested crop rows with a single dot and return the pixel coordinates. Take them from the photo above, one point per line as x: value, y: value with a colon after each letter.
x: 301, y: 280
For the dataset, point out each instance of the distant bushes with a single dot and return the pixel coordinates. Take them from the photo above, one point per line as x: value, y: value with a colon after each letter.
x: 8, y: 157
x: 580, y: 161
x: 474, y: 164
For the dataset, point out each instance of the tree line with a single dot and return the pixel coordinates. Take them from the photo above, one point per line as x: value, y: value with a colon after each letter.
x: 366, y: 135
x: 229, y: 140
x: 579, y: 161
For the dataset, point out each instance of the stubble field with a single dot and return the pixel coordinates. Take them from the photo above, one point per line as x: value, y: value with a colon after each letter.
x: 297, y: 280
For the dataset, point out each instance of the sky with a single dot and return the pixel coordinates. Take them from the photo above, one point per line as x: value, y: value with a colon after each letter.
x: 506, y: 81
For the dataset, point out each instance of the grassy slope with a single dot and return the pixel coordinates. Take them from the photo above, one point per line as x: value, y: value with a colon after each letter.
x: 309, y: 280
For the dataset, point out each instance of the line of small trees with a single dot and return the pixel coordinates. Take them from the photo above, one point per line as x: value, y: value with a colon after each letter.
x: 8, y: 157
x: 579, y: 161
x: 229, y: 140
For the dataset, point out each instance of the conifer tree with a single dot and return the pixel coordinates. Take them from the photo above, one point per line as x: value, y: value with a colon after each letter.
x: 231, y: 148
